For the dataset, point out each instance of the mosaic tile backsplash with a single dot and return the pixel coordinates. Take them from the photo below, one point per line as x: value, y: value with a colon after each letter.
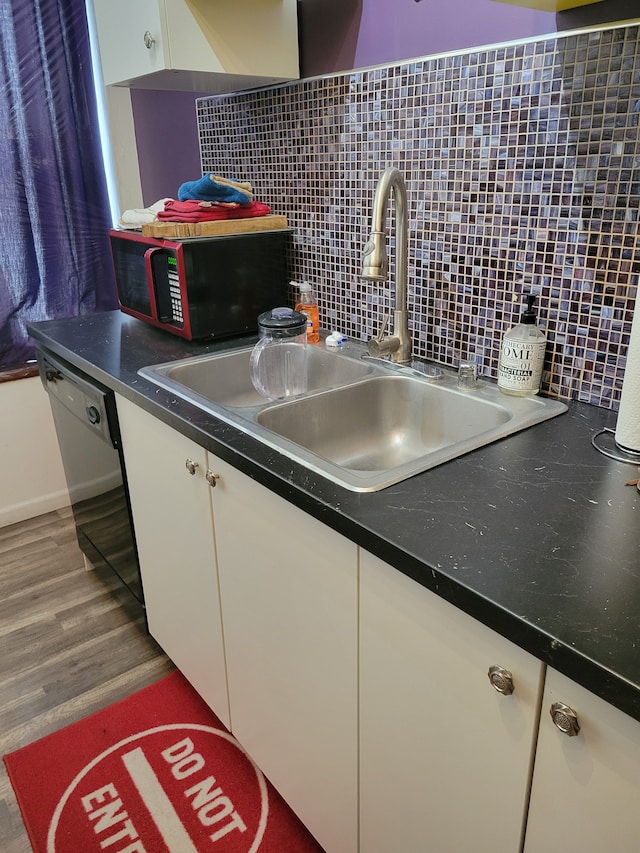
x: 522, y: 165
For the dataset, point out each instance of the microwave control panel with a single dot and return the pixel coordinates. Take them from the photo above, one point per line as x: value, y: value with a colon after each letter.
x: 166, y: 281
x: 174, y: 290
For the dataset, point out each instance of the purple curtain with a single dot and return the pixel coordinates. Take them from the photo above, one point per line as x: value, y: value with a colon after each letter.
x: 55, y: 211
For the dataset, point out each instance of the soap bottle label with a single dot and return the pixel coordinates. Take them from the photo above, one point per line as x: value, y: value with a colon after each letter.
x: 521, y: 364
x: 311, y: 312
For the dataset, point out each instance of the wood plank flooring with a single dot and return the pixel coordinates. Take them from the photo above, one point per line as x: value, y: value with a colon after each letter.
x: 72, y: 642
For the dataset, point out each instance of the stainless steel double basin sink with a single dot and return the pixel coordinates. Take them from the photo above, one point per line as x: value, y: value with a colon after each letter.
x: 363, y: 423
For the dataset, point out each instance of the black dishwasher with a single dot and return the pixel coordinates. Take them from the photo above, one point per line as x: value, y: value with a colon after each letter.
x: 86, y: 421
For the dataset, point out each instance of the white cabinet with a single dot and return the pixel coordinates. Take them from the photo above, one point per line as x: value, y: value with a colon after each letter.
x: 445, y: 760
x: 363, y: 696
x: 172, y: 518
x: 586, y: 788
x: 197, y: 45
x: 240, y: 562
x: 289, y: 591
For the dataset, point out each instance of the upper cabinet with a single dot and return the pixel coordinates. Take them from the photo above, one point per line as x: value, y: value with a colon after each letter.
x: 210, y: 46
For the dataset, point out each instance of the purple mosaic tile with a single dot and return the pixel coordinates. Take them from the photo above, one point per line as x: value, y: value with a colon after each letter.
x: 522, y: 165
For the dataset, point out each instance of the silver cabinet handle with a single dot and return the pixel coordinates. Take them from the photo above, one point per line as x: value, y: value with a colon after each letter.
x: 565, y: 719
x: 149, y: 40
x: 212, y: 478
x: 191, y: 466
x: 501, y: 680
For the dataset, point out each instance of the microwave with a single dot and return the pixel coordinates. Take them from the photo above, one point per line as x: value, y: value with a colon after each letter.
x: 201, y: 287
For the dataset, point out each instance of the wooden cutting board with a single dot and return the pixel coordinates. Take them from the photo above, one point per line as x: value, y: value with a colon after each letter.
x: 168, y: 230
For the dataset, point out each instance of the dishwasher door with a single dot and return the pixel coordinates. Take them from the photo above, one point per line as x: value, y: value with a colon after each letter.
x: 85, y: 417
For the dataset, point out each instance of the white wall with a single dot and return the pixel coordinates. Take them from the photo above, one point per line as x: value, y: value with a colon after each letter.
x: 124, y: 150
x: 31, y: 475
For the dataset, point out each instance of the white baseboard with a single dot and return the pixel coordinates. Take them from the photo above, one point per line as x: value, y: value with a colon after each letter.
x: 33, y: 507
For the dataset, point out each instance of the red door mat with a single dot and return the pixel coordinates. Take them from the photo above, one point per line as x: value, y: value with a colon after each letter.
x: 155, y: 773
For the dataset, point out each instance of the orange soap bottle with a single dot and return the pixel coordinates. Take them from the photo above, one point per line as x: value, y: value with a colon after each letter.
x: 308, y: 306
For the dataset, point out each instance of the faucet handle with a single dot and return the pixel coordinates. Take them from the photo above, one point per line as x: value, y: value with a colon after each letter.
x: 383, y: 345
x: 383, y: 328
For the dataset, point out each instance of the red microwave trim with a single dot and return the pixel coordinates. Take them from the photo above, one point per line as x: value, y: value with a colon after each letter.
x: 184, y: 332
x: 149, y: 271
x: 154, y: 244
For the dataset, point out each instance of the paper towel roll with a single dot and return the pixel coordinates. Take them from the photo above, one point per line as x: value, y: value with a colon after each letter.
x: 627, y: 434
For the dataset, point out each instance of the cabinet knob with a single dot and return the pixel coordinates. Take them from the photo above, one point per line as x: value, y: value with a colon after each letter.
x: 501, y: 680
x: 191, y: 466
x: 149, y: 40
x: 212, y: 478
x: 565, y: 719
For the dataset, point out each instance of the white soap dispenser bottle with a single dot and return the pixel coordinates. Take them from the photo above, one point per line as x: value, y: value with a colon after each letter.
x: 522, y: 355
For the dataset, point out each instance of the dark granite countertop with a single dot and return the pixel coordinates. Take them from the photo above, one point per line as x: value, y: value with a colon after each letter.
x: 535, y: 535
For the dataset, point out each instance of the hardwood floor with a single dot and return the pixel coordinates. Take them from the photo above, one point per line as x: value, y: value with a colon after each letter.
x: 72, y: 642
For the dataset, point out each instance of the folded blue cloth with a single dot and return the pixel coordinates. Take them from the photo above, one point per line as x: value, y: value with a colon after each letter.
x: 212, y: 187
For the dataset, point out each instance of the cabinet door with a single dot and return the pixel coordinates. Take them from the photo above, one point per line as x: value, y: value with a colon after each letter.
x: 445, y: 760
x: 289, y: 605
x: 174, y: 533
x: 586, y: 788
x: 247, y: 40
x: 178, y: 40
x: 121, y: 26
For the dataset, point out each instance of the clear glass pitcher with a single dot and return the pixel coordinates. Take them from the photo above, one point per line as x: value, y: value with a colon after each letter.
x: 279, y: 360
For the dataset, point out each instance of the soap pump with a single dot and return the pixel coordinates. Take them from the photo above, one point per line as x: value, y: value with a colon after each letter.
x: 522, y: 355
x: 308, y: 306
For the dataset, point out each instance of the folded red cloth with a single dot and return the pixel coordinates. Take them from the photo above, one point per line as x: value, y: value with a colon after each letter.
x: 206, y: 211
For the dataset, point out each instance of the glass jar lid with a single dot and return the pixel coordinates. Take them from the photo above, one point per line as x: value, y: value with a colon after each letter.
x: 283, y: 322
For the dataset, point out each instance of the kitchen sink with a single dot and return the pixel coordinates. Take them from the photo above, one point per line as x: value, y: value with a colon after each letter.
x: 363, y: 423
x: 382, y: 423
x: 225, y: 378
